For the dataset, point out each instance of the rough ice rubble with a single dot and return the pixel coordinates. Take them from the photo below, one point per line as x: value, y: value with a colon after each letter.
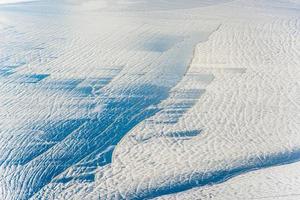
x: 215, y: 122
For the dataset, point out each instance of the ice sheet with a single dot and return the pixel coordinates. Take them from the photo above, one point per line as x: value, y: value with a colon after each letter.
x: 141, y: 99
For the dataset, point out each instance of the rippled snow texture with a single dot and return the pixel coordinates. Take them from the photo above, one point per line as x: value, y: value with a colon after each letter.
x: 149, y: 99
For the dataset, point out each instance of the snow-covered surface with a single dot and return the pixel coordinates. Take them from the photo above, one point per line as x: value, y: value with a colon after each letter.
x: 271, y: 184
x: 140, y: 99
x: 14, y: 1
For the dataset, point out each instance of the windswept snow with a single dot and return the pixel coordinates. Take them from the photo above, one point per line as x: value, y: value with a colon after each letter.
x: 281, y: 182
x: 14, y: 1
x: 150, y: 99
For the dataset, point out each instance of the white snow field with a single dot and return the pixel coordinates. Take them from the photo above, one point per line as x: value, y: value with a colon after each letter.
x: 14, y: 1
x: 150, y: 99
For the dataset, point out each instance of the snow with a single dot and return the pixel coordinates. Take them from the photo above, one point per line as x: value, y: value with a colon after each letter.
x: 281, y: 182
x: 149, y: 99
x: 14, y: 1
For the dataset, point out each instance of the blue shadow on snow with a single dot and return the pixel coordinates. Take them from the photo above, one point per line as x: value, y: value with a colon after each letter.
x: 79, y: 142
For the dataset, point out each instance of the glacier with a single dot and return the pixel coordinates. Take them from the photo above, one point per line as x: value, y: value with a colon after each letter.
x: 124, y: 99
